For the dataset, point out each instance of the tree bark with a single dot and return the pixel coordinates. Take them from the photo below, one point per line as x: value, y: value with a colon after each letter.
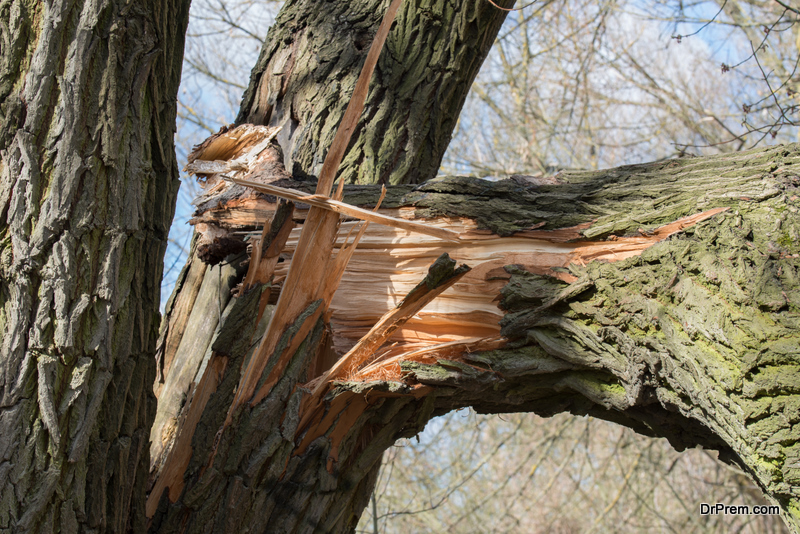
x: 661, y: 296
x: 675, y: 340
x: 89, y: 182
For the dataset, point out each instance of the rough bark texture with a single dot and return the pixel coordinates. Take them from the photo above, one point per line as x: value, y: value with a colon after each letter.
x: 309, y: 65
x: 694, y: 338
x: 87, y: 193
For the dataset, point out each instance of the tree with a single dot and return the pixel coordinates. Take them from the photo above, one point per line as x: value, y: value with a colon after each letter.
x: 690, y: 379
x: 89, y: 181
x: 528, y: 109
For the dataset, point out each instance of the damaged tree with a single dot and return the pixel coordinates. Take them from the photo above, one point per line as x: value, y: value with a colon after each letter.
x: 663, y: 296
x: 659, y: 296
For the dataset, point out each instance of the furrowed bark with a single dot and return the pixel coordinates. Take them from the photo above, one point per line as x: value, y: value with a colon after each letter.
x: 662, y: 296
x: 87, y: 193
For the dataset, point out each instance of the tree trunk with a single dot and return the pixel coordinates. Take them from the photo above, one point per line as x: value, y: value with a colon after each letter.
x: 302, y: 82
x: 661, y: 296
x: 89, y: 183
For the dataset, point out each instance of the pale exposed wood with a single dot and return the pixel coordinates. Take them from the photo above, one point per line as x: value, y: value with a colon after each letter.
x: 241, y: 150
x: 390, y: 262
x: 232, y: 148
x: 442, y: 274
x: 435, y: 336
x: 313, y: 252
x: 188, y: 357
x: 266, y: 251
x: 316, y: 273
x: 417, y: 299
x: 171, y: 476
x: 335, y: 269
x: 175, y: 321
x: 247, y: 150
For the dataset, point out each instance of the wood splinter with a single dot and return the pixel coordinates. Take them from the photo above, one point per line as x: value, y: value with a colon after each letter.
x: 441, y: 275
x: 320, y: 201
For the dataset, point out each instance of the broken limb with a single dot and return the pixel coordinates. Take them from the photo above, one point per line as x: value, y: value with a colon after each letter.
x: 661, y: 296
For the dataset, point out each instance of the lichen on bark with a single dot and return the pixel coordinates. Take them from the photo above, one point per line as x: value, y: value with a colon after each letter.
x: 692, y: 339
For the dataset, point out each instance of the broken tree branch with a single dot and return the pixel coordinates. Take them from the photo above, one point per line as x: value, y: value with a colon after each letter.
x: 441, y: 275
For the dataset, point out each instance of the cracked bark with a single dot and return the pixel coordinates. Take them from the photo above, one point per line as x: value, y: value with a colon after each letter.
x: 692, y: 336
x: 301, y: 81
x: 689, y: 335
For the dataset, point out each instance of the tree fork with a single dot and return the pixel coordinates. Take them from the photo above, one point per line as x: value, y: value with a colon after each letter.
x: 404, y: 131
x: 276, y: 463
x: 308, y: 68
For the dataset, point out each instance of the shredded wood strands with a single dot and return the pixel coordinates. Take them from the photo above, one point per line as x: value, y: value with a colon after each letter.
x: 315, y: 273
x: 239, y: 149
x: 336, y: 268
x: 313, y: 270
x: 389, y: 263
x: 245, y: 160
x: 317, y: 417
x: 386, y: 367
x: 232, y: 143
x: 266, y: 250
x: 247, y: 151
x: 441, y: 275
